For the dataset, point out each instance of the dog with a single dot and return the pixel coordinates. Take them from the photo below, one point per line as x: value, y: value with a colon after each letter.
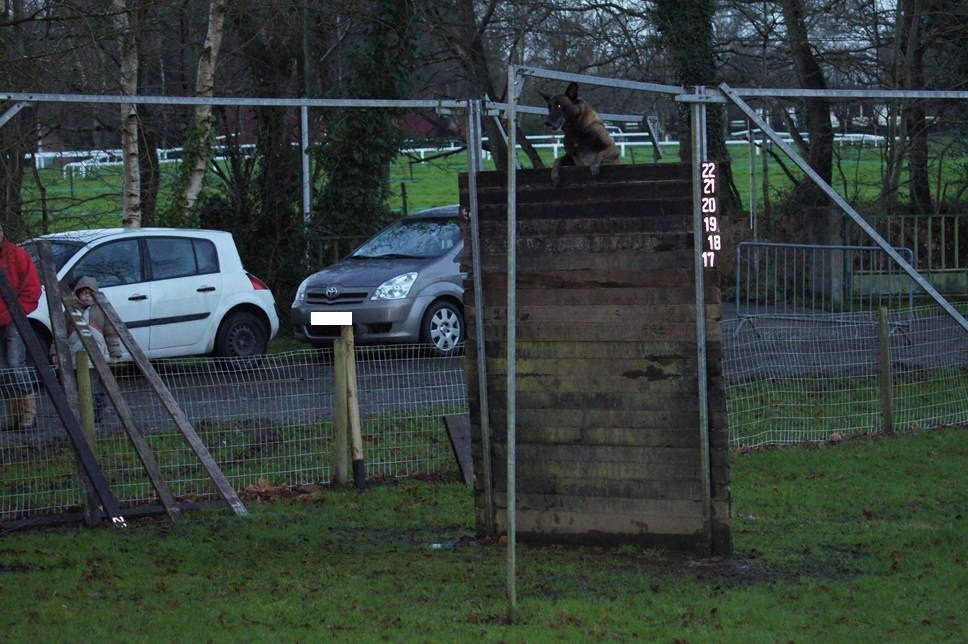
x: 587, y: 142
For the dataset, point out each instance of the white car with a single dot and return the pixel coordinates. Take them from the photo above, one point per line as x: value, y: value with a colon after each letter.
x: 181, y: 292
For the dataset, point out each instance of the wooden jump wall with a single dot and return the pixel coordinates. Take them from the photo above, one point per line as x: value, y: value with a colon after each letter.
x: 607, y: 408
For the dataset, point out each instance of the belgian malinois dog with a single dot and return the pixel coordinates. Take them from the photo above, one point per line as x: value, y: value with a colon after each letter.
x: 587, y: 142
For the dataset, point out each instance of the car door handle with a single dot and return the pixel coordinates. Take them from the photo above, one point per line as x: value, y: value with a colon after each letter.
x: 205, y: 289
x: 137, y: 298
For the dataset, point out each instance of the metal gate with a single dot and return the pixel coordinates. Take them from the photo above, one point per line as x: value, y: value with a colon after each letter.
x: 806, y: 279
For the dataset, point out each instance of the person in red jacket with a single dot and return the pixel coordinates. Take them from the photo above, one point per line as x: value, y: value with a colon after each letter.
x: 16, y: 387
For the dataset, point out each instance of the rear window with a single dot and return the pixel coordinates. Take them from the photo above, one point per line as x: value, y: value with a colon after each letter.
x: 61, y: 250
x: 172, y: 257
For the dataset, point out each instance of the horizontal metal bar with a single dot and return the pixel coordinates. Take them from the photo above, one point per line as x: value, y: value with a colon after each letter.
x: 752, y: 92
x: 600, y: 80
x: 231, y: 101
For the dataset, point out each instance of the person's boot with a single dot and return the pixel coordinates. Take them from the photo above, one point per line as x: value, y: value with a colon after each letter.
x: 28, y: 412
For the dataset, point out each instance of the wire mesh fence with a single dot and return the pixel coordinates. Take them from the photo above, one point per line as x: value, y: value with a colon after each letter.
x: 805, y: 378
x: 273, y: 422
x: 788, y: 379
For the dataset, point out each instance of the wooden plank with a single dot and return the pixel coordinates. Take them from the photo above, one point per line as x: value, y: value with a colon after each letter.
x: 171, y: 406
x: 110, y: 385
x: 637, y: 261
x: 605, y: 349
x: 637, y: 422
x: 536, y: 481
x: 675, y: 277
x: 672, y: 476
x: 561, y: 503
x: 587, y: 521
x: 576, y: 383
x: 459, y: 432
x: 632, y: 368
x: 584, y: 296
x: 579, y: 332
x: 601, y: 400
x: 673, y: 224
x: 654, y: 428
x: 622, y: 455
x: 594, y: 313
x: 611, y: 206
x: 38, y: 356
x: 48, y: 275
x: 648, y: 434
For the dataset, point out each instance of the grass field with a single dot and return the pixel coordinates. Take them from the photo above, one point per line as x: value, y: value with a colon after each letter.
x: 863, y: 541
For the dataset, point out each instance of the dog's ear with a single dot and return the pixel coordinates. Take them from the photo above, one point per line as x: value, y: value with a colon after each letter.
x: 572, y: 91
x: 545, y: 96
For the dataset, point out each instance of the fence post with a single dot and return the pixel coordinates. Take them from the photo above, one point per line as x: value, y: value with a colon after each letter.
x: 353, y: 407
x: 341, y: 407
x: 887, y: 384
x: 85, y: 412
x: 85, y: 391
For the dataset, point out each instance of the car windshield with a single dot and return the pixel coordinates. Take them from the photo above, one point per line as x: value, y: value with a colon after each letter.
x: 418, y: 238
x: 62, y: 250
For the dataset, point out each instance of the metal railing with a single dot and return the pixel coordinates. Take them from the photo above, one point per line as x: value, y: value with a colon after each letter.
x: 939, y: 241
x: 803, y: 279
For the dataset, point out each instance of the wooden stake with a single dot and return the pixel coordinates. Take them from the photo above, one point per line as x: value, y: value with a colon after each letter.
x: 353, y: 403
x: 341, y: 409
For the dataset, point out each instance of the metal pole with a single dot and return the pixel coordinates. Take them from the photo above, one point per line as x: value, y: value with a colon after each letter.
x: 512, y: 343
x: 698, y: 111
x: 306, y: 172
x: 473, y: 167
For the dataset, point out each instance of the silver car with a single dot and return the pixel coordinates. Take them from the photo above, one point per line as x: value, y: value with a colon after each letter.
x: 403, y: 286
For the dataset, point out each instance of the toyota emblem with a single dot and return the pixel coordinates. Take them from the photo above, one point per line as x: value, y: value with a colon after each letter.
x: 331, y: 292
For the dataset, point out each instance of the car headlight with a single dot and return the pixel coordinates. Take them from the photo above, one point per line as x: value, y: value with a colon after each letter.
x: 395, y: 288
x: 300, y: 293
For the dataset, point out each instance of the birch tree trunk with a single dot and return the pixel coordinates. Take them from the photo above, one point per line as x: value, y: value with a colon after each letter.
x: 200, y: 134
x: 131, y: 183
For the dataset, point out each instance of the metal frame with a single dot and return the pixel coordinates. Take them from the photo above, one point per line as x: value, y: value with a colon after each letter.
x: 735, y: 96
x: 697, y: 98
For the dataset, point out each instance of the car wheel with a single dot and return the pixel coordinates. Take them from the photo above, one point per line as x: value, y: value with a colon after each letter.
x: 443, y: 327
x: 241, y: 335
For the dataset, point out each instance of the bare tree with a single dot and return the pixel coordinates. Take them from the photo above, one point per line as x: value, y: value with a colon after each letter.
x: 131, y: 181
x: 199, y: 140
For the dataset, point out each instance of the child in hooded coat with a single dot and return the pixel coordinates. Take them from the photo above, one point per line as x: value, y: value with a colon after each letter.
x: 101, y: 329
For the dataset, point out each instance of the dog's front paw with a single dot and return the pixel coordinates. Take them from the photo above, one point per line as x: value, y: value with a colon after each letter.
x: 595, y: 167
x: 556, y: 176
